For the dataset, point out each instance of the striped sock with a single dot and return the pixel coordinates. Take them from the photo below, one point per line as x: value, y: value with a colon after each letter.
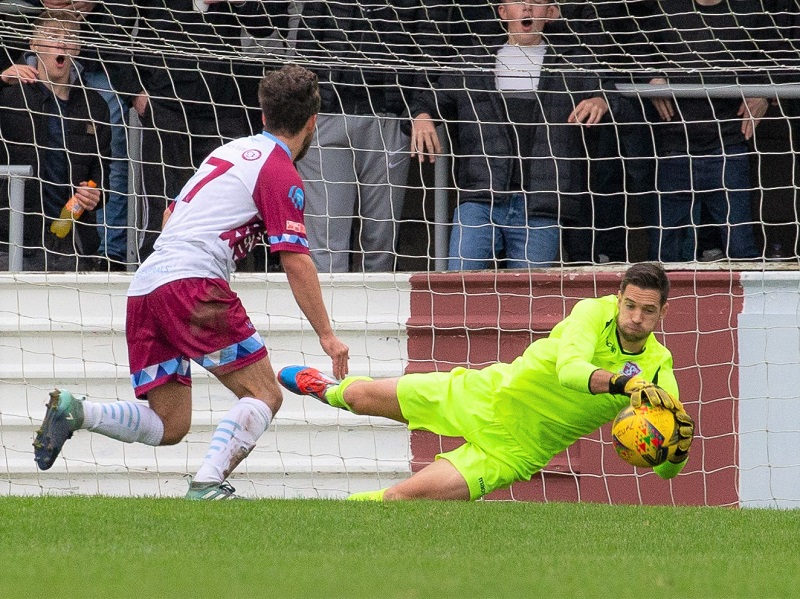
x: 126, y: 421
x: 234, y: 439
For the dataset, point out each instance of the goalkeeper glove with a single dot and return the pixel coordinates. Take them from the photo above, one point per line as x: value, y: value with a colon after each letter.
x: 625, y: 384
x: 685, y: 426
x: 655, y: 396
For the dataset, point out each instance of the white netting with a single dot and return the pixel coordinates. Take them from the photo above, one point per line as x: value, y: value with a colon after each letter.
x: 673, y: 171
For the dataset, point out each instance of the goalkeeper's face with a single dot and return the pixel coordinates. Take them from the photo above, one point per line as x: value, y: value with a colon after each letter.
x: 640, y: 311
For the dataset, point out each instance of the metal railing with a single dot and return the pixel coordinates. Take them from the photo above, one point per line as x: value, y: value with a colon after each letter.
x: 688, y: 90
x: 16, y: 174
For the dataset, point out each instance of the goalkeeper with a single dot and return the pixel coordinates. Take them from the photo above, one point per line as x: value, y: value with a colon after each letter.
x: 515, y: 417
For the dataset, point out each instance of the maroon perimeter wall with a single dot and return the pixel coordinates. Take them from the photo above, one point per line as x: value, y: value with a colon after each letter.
x: 475, y: 319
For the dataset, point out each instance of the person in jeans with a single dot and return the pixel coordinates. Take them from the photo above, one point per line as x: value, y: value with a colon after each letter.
x: 357, y: 168
x: 514, y: 108
x: 702, y: 141
x: 113, y: 250
x: 49, y: 120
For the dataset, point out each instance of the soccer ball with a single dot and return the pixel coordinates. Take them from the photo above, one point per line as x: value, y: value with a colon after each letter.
x: 645, y: 436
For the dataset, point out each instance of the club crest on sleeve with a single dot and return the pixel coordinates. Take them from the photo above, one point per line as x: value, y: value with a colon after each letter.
x: 251, y: 155
x: 297, y: 196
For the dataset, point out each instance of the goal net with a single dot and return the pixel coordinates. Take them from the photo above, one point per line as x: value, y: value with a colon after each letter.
x: 477, y: 168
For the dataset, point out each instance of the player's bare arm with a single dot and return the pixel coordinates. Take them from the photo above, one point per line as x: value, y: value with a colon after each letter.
x: 600, y: 381
x: 303, y: 280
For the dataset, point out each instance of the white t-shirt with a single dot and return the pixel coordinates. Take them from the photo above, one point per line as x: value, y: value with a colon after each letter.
x: 518, y: 67
x: 245, y: 189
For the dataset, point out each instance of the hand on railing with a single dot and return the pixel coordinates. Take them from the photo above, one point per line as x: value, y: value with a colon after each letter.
x: 751, y: 111
x: 664, y: 106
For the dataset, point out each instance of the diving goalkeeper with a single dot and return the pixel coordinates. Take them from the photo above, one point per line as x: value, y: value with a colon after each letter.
x: 515, y: 417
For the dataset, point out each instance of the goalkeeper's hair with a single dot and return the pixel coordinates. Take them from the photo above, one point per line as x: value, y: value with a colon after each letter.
x: 288, y: 98
x: 647, y: 275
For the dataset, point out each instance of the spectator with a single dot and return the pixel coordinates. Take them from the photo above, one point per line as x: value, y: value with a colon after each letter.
x: 622, y: 165
x: 701, y: 141
x: 357, y: 168
x: 190, y: 98
x: 14, y: 19
x: 52, y: 122
x: 776, y: 173
x: 516, y: 183
x: 113, y: 250
x: 458, y: 27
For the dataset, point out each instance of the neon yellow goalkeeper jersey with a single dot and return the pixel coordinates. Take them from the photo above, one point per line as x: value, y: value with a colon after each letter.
x: 543, y: 396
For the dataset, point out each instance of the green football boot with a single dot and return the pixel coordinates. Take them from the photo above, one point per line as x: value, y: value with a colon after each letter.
x: 211, y: 491
x: 64, y: 416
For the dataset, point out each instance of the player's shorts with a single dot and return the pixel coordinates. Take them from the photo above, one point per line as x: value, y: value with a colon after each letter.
x: 188, y: 319
x: 446, y: 403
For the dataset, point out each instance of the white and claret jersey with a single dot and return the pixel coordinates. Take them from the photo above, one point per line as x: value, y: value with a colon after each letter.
x: 543, y: 397
x: 244, y: 190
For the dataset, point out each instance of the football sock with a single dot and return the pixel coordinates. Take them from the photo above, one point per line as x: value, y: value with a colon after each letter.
x: 335, y: 395
x: 367, y: 496
x: 234, y: 439
x: 124, y: 420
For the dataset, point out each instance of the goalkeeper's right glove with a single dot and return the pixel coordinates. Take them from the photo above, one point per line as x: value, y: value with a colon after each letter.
x: 625, y: 384
x: 655, y: 396
x: 685, y: 426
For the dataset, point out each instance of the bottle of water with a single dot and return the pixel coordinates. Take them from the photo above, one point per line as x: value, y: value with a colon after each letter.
x: 71, y: 211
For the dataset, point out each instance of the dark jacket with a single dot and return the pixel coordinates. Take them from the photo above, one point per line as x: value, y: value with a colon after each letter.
x: 181, y: 57
x: 375, y: 42
x: 610, y: 30
x: 730, y: 43
x: 555, y: 165
x: 24, y: 111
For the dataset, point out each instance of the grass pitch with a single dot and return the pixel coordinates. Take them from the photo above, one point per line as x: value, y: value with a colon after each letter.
x: 65, y: 547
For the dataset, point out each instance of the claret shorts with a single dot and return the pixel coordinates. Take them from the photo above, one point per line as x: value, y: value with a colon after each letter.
x: 201, y: 320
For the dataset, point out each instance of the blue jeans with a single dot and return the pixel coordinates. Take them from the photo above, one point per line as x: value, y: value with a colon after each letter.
x: 482, y: 230
x: 721, y: 181
x: 114, y: 235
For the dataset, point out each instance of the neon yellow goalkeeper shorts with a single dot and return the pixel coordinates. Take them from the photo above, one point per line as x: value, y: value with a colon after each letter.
x: 440, y: 402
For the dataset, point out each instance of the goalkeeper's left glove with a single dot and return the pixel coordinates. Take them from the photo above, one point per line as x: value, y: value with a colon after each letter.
x: 685, y: 426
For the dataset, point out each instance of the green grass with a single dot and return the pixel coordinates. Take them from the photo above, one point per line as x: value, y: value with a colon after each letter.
x: 103, y: 547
